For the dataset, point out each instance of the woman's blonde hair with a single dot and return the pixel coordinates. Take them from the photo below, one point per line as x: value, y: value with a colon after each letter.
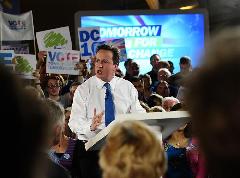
x: 132, y: 151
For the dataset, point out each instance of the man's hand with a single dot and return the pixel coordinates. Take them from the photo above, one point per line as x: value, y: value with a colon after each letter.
x: 97, y: 120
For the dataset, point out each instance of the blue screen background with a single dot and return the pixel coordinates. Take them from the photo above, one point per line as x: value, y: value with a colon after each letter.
x: 181, y: 35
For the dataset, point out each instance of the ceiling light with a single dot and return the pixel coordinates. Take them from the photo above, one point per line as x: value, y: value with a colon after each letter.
x: 188, y: 7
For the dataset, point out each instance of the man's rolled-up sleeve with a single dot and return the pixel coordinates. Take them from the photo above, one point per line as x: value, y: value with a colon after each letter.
x: 78, y: 122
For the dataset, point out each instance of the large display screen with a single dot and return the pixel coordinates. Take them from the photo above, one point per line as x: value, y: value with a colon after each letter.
x: 171, y: 34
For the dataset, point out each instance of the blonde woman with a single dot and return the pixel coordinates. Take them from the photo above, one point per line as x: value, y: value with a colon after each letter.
x: 131, y: 151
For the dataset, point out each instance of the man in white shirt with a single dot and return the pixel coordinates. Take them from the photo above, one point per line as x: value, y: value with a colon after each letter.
x: 88, y: 108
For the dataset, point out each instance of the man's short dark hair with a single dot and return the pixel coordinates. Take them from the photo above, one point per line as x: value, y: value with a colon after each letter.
x: 185, y: 60
x: 115, y: 51
x: 170, y: 63
x: 153, y: 56
x: 152, y: 101
x: 127, y: 61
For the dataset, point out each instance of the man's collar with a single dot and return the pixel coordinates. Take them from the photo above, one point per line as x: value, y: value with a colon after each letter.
x: 100, y: 83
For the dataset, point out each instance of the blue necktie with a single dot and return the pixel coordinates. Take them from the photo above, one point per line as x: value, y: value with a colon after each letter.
x: 109, y: 105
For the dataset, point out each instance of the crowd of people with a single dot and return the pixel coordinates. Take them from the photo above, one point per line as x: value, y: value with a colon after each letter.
x: 63, y: 112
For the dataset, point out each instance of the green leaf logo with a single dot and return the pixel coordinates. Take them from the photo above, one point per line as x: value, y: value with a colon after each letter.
x: 22, y: 65
x: 52, y: 39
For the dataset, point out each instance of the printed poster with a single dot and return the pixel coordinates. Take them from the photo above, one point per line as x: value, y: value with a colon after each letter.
x: 58, y: 38
x: 25, y: 65
x: 16, y: 27
x: 17, y: 48
x: 62, y: 62
x: 88, y: 39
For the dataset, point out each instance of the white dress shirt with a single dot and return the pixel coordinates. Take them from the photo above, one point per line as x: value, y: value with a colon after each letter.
x: 91, y: 94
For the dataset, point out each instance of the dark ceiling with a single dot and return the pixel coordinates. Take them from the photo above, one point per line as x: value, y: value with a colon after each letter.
x: 50, y: 14
x: 222, y: 13
x: 56, y: 13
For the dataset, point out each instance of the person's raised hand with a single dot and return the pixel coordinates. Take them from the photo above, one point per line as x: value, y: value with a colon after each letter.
x: 41, y: 56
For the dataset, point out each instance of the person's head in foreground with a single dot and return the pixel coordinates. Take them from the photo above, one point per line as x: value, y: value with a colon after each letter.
x: 213, y: 100
x: 27, y: 119
x: 132, y: 151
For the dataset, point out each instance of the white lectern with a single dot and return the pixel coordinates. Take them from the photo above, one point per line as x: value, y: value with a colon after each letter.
x: 162, y: 122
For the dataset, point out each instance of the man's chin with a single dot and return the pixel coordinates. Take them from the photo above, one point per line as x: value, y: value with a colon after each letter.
x: 100, y: 76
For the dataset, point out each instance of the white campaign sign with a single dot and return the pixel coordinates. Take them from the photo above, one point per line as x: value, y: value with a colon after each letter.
x: 25, y: 64
x: 58, y: 38
x: 62, y: 62
x: 16, y: 27
x: 88, y: 39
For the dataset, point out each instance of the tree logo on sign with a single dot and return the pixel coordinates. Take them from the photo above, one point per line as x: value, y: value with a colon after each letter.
x: 22, y: 64
x: 53, y: 39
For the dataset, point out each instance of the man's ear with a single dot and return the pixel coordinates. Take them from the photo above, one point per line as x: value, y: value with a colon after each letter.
x: 115, y: 67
